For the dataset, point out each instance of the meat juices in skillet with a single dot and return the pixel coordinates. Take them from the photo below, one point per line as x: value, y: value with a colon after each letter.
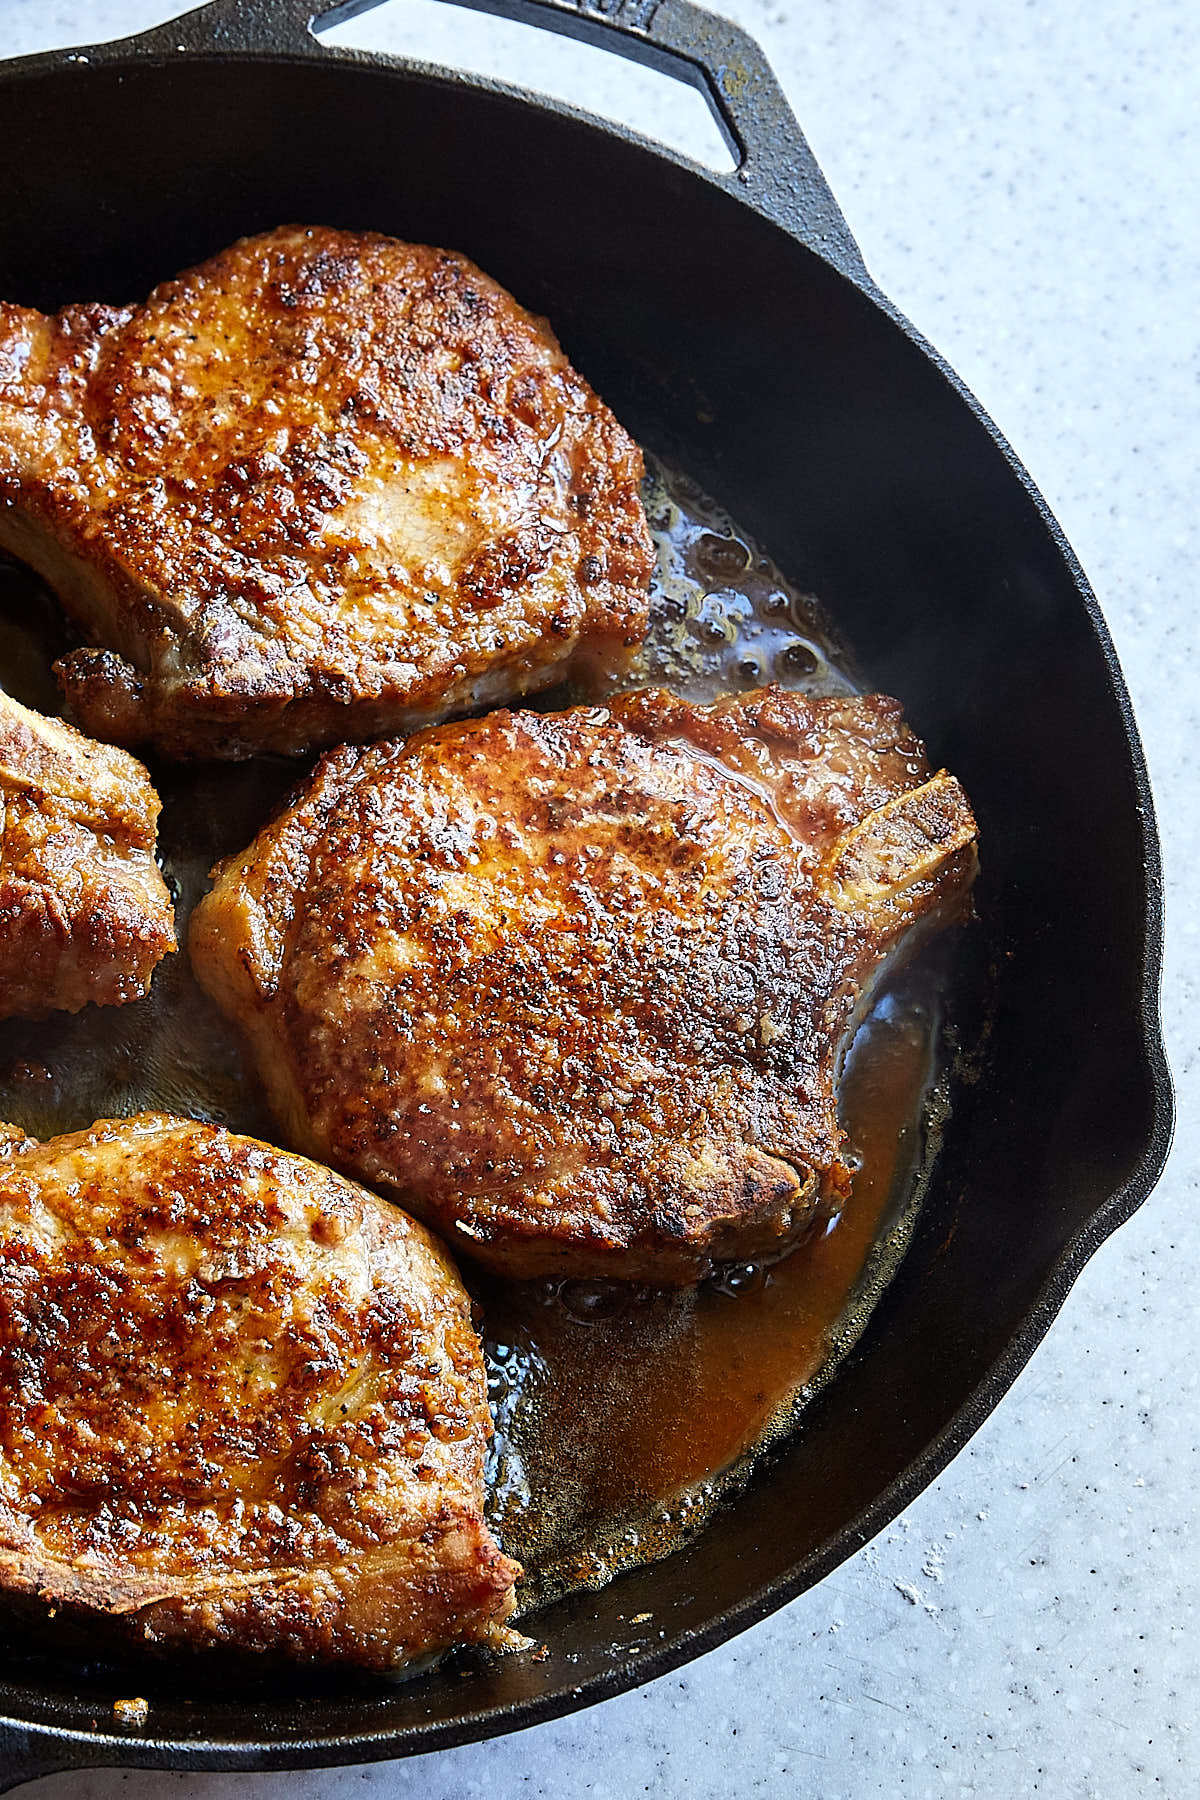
x: 573, y: 986
x: 84, y: 912
x: 325, y: 486
x: 241, y: 1402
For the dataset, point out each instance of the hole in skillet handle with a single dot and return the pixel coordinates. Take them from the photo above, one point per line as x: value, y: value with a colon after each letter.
x: 641, y: 99
x: 773, y: 167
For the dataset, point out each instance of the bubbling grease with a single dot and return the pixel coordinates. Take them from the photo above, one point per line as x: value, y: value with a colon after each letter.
x: 623, y: 1415
x: 723, y: 617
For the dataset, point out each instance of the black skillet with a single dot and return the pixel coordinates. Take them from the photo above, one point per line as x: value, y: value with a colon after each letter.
x: 731, y: 324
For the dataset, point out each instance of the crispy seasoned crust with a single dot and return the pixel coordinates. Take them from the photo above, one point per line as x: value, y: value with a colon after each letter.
x: 324, y: 486
x: 84, y: 912
x: 241, y: 1402
x: 573, y: 985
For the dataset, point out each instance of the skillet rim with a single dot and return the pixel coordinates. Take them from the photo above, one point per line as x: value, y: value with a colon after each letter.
x: 30, y: 1748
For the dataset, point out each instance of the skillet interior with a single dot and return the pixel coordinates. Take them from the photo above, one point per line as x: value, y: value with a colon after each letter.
x: 792, y: 395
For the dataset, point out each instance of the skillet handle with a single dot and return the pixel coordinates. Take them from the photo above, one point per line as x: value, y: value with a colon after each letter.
x: 776, y: 171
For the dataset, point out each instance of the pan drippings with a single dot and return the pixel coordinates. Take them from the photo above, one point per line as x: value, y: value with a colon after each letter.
x: 622, y: 1415
x: 649, y: 1407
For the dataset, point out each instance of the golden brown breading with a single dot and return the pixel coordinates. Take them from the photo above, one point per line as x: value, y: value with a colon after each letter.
x: 241, y: 1402
x: 573, y: 985
x: 84, y: 912
x: 324, y: 486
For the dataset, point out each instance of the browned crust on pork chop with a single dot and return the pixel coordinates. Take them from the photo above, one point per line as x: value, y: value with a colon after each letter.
x: 323, y: 486
x: 573, y: 986
x: 84, y: 912
x: 241, y: 1402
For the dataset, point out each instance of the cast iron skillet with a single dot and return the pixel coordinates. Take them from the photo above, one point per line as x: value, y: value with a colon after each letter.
x: 731, y: 324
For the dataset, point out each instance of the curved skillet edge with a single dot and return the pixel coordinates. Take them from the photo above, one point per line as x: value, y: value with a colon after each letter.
x: 1125, y: 1200
x: 29, y: 1750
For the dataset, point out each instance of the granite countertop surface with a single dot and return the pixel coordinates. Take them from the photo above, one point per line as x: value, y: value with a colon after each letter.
x: 1024, y: 181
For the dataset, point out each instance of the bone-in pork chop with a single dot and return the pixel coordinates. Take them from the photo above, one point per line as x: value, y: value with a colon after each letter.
x: 573, y: 986
x: 324, y: 486
x: 241, y: 1402
x: 84, y: 912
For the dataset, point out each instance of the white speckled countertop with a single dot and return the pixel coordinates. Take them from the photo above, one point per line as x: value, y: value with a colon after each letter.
x: 1024, y: 180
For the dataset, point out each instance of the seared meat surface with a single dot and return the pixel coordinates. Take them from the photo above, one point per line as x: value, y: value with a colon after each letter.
x: 573, y: 986
x: 84, y: 912
x: 241, y: 1402
x: 324, y: 486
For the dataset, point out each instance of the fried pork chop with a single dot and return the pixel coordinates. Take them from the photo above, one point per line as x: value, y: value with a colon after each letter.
x: 84, y: 913
x: 241, y: 1402
x: 324, y: 486
x: 573, y: 986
